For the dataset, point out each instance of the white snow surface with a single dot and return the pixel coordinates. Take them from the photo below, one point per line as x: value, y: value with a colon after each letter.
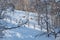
x: 23, y: 33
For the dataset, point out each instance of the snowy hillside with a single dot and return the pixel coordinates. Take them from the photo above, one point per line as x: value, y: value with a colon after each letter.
x: 24, y: 32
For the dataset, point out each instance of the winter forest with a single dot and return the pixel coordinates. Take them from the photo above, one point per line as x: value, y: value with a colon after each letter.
x: 29, y: 19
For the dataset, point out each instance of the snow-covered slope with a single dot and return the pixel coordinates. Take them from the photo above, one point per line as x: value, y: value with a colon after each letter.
x: 23, y: 33
x: 23, y: 16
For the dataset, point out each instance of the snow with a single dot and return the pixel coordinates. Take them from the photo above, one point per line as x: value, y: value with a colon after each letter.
x: 23, y: 33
